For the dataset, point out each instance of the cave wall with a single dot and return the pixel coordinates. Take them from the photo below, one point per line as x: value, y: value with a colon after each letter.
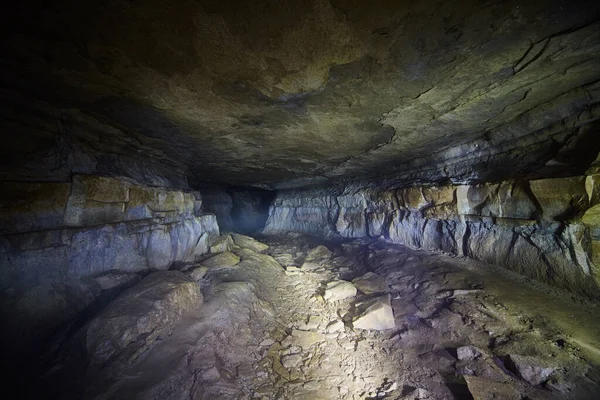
x: 545, y: 229
x: 84, y: 208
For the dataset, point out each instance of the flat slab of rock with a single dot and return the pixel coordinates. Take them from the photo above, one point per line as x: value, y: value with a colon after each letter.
x: 134, y: 320
x: 378, y: 316
x: 249, y: 243
x: 339, y: 290
x: 370, y: 283
x: 485, y: 389
x: 222, y: 260
x: 222, y: 244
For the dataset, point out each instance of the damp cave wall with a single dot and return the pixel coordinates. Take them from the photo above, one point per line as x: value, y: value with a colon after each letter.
x: 84, y: 209
x: 545, y: 229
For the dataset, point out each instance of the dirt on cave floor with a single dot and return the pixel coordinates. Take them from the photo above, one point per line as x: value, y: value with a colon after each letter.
x: 463, y: 330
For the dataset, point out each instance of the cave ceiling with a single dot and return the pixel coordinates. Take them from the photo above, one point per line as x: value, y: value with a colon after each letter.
x: 280, y: 93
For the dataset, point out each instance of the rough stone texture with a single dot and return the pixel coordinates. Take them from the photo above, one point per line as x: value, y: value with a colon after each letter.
x: 262, y: 93
x: 222, y: 260
x: 139, y: 316
x: 339, y: 290
x: 370, y: 283
x: 378, y: 316
x: 249, y: 243
x: 52, y: 251
x: 531, y: 227
x: 222, y: 244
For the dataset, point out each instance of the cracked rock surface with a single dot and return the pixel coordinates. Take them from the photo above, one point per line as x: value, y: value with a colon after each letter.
x: 265, y: 331
x: 283, y: 93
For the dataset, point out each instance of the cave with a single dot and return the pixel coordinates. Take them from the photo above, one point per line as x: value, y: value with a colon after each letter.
x: 319, y: 199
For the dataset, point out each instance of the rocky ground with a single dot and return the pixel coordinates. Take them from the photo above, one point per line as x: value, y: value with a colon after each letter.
x: 299, y: 318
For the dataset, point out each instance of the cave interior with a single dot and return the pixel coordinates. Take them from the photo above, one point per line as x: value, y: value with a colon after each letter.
x: 320, y: 199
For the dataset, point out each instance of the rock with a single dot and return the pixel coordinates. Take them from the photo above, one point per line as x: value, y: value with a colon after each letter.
x: 335, y: 326
x: 485, y: 389
x: 202, y: 246
x: 370, y: 283
x: 139, y: 316
x: 304, y: 339
x: 339, y: 290
x: 378, y: 316
x: 285, y: 260
x: 115, y: 279
x: 561, y: 198
x: 221, y: 260
x: 249, y: 243
x: 318, y: 253
x: 592, y: 216
x: 529, y: 369
x: 222, y: 244
x: 467, y: 353
x: 316, y: 258
x: 504, y: 200
x: 291, y: 361
x: 198, y: 273
x: 592, y: 188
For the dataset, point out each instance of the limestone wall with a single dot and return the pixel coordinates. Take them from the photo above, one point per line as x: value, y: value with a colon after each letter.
x: 546, y: 229
x: 58, y: 239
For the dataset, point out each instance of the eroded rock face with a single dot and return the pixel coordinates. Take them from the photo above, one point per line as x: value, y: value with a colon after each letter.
x: 62, y: 244
x: 139, y: 316
x: 284, y: 94
x: 544, y: 229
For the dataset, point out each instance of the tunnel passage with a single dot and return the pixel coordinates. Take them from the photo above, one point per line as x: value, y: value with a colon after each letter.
x: 318, y: 199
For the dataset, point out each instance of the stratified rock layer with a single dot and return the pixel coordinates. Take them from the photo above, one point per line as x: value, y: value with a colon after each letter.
x: 57, y: 238
x: 545, y: 229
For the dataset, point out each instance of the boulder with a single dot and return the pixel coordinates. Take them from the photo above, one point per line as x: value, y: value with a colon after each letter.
x: 222, y: 260
x: 339, y: 290
x: 139, y: 316
x: 378, y: 316
x: 198, y: 273
x: 529, y: 368
x: 222, y: 244
x: 316, y: 258
x: 370, y: 283
x: 249, y: 243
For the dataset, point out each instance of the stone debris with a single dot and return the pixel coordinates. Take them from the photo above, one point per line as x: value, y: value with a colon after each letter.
x: 272, y: 334
x: 222, y: 244
x: 304, y: 339
x: 370, y: 283
x: 339, y: 290
x: 378, y: 316
x: 249, y: 243
x: 317, y: 258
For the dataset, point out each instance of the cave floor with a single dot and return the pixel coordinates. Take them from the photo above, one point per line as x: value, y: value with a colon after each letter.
x: 462, y: 330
